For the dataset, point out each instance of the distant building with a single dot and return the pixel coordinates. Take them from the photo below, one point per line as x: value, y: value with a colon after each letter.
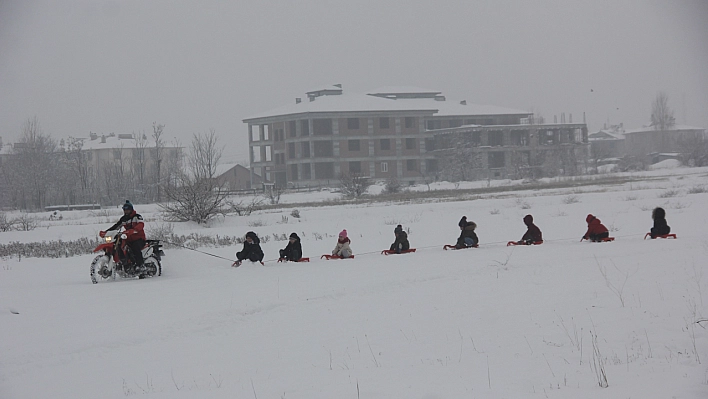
x: 388, y: 132
x: 511, y: 151
x: 235, y: 177
x: 608, y: 142
x: 647, y: 142
x: 137, y: 154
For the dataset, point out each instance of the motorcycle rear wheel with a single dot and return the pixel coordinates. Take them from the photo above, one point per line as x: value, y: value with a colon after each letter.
x: 152, y: 267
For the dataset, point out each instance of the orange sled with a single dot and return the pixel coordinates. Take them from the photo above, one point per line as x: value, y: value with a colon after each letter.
x: 606, y: 239
x: 510, y: 243
x: 328, y: 257
x: 446, y: 247
x: 661, y: 236
x: 393, y: 252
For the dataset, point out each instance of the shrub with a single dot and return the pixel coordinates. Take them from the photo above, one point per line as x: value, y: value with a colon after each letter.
x: 247, y: 207
x: 697, y: 190
x: 162, y: 231
x: 522, y: 203
x: 5, y: 224
x: 571, y: 199
x: 295, y: 213
x: 669, y: 193
x: 494, y: 212
x: 24, y: 222
x: 392, y: 186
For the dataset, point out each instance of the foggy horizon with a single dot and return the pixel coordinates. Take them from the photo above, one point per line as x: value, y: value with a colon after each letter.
x: 112, y: 66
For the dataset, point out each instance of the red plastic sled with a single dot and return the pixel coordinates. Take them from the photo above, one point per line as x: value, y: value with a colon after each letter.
x: 510, y: 243
x: 606, y: 239
x: 298, y: 261
x: 672, y: 235
x: 393, y: 252
x: 328, y: 257
x: 239, y: 262
x: 446, y: 247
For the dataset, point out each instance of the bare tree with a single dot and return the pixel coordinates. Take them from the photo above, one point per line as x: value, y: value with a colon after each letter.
x: 196, y: 195
x: 175, y: 164
x: 31, y: 170
x: 117, y: 176
x: 597, y: 154
x: 205, y: 155
x: 157, y: 155
x: 662, y: 116
x: 139, y: 161
x: 76, y: 161
x: 460, y: 162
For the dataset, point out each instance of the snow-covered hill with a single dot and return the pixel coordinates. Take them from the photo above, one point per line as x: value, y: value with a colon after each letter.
x: 492, y: 322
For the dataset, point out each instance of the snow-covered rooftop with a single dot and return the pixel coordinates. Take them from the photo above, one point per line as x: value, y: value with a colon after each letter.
x: 343, y: 103
x: 115, y: 142
x: 606, y: 135
x: 674, y: 128
x: 402, y: 90
x: 349, y: 102
x: 224, y: 167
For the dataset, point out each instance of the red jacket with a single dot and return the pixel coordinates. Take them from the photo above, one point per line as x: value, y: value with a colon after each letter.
x: 594, y: 226
x: 133, y: 225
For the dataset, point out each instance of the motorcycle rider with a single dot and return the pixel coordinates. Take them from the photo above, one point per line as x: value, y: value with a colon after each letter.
x: 132, y: 223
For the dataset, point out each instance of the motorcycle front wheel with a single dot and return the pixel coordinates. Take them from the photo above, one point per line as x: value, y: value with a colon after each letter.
x: 100, y: 270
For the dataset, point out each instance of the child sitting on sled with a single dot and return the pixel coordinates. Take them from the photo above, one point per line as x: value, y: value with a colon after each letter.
x: 468, y: 238
x: 293, y: 251
x: 660, y: 227
x: 401, y: 243
x: 533, y: 233
x: 342, y: 248
x: 596, y: 230
x: 251, y: 250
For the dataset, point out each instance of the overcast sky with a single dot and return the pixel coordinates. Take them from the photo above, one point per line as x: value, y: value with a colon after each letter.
x: 117, y: 66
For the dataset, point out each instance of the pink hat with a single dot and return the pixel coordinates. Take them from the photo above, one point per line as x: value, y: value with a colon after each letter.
x: 343, y: 233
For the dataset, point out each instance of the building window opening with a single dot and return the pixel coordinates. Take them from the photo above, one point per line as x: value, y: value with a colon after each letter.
x: 384, y: 123
x: 353, y: 123
x: 385, y: 144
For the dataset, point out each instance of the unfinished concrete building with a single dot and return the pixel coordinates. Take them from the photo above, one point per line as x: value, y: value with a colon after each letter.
x: 389, y: 132
x: 511, y: 151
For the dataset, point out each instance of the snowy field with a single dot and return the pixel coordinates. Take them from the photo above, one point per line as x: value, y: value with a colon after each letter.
x: 494, y: 322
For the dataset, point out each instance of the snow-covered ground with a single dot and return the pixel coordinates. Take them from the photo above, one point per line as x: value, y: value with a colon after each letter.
x: 492, y: 322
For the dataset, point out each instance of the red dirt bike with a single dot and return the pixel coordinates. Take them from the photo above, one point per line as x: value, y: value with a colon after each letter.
x: 110, y: 264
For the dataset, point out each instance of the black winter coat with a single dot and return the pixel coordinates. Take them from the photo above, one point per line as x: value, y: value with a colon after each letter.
x: 660, y: 228
x: 252, y: 252
x: 468, y: 231
x: 402, y: 240
x: 293, y: 251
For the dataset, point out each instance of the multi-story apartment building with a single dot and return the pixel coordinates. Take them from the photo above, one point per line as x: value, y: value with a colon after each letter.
x: 386, y: 133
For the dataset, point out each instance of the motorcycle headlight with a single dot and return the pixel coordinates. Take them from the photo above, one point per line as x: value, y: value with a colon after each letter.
x: 108, y: 239
x: 123, y: 236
